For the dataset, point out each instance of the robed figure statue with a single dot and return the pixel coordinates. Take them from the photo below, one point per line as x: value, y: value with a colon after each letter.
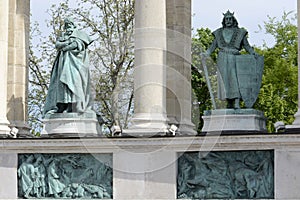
x: 239, y: 76
x: 69, y: 89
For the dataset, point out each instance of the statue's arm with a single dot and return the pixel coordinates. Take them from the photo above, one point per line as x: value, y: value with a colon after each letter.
x: 70, y: 47
x: 61, y: 44
x: 247, y: 46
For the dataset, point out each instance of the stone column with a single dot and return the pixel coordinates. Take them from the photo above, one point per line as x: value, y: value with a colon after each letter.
x: 150, y: 72
x: 179, y: 65
x: 17, y: 83
x: 4, y: 7
x: 296, y: 123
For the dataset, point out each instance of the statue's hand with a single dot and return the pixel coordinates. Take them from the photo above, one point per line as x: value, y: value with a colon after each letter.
x: 256, y: 55
x: 69, y: 47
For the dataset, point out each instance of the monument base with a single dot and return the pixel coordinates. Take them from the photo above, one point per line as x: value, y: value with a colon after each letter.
x: 4, y: 129
x: 70, y: 125
x: 20, y: 129
x: 295, y: 127
x: 186, y: 128
x: 148, y: 168
x: 220, y: 120
x: 147, y: 125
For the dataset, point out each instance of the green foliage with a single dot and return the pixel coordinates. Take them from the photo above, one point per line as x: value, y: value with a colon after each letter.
x: 200, y: 43
x: 278, y: 95
x: 202, y: 102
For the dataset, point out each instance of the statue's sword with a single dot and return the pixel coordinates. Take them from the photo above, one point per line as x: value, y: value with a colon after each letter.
x: 203, y: 60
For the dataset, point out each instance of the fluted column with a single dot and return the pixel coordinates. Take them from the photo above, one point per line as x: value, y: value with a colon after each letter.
x: 18, y: 47
x: 4, y: 7
x: 179, y: 65
x: 150, y: 71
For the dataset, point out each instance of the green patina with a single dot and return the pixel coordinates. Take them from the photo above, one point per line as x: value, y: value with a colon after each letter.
x: 69, y: 89
x: 68, y: 176
x: 226, y: 175
x: 239, y: 76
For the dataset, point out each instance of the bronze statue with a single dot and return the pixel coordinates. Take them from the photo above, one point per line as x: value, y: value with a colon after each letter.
x: 238, y: 75
x: 69, y: 89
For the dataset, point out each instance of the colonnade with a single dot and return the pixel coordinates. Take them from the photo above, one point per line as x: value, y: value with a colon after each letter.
x: 162, y: 66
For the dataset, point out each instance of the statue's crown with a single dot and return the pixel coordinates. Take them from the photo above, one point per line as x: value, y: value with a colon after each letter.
x: 228, y: 13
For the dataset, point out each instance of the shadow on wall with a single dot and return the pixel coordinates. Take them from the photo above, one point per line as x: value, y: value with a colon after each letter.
x: 15, y: 111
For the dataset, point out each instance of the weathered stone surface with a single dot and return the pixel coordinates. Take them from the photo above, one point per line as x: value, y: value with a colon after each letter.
x: 4, y: 6
x: 18, y: 53
x: 70, y: 125
x: 234, y: 120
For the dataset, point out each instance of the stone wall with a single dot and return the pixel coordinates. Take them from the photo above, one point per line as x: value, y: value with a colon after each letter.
x: 147, y: 168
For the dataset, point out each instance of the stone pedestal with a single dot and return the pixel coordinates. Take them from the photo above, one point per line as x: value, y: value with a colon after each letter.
x: 70, y: 125
x: 220, y: 120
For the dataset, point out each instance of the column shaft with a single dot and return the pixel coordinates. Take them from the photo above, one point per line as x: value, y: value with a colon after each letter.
x: 149, y: 73
x: 4, y: 7
x: 179, y: 65
x: 17, y: 83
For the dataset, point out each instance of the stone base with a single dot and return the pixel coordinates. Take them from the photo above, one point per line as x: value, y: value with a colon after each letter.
x: 186, y: 128
x: 220, y: 120
x: 147, y: 168
x: 21, y: 129
x: 4, y: 129
x: 295, y: 127
x: 147, y: 125
x: 70, y: 125
x: 296, y: 124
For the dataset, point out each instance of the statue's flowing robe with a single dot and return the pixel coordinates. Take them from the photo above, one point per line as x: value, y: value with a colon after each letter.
x: 26, y: 173
x: 70, y: 78
x: 228, y: 87
x: 55, y: 186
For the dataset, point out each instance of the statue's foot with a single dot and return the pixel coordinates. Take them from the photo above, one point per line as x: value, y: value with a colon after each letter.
x: 229, y: 104
x: 237, y: 104
x: 70, y: 108
x: 61, y: 107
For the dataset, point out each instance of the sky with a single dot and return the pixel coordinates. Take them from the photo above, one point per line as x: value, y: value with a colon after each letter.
x: 249, y: 13
x: 208, y: 14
